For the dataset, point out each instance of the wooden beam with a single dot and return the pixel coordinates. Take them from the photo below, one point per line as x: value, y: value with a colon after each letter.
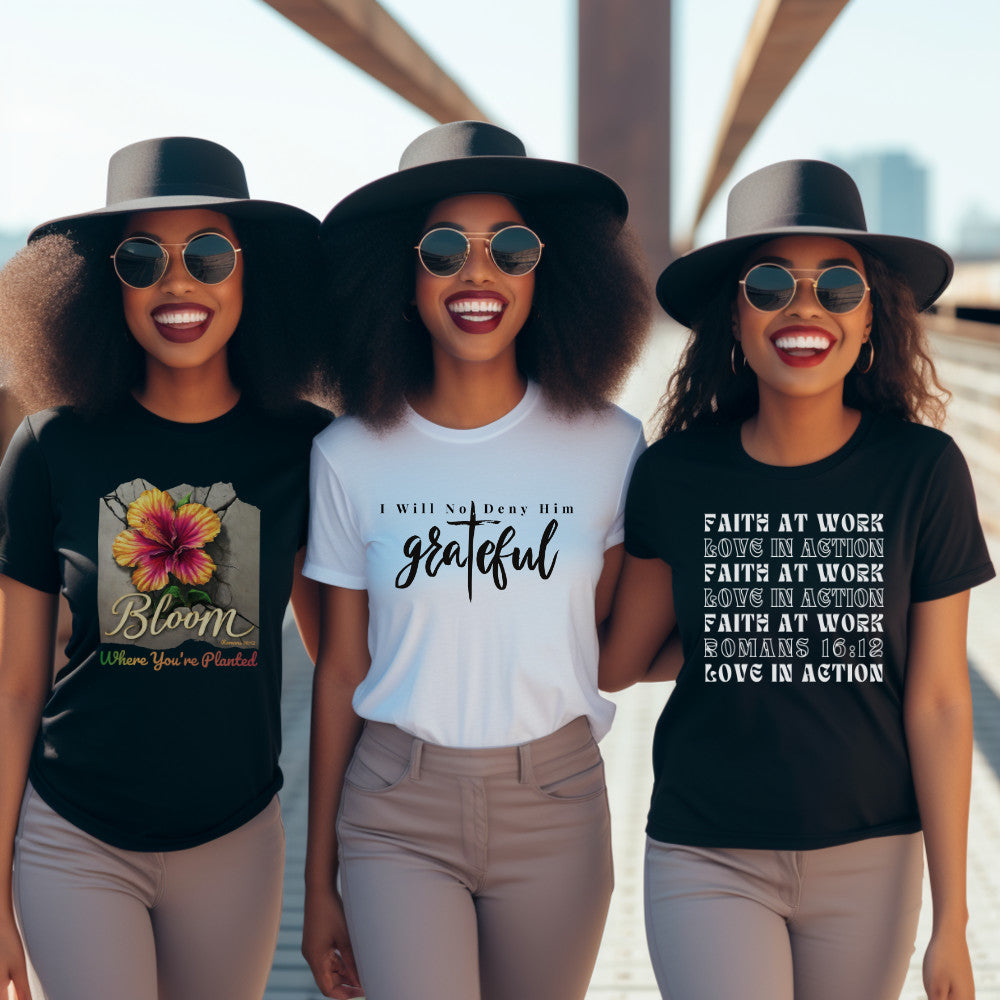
x: 783, y: 34
x: 364, y: 33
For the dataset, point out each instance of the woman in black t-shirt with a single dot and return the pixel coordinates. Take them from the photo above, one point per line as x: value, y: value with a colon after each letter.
x: 815, y: 544
x: 166, y: 498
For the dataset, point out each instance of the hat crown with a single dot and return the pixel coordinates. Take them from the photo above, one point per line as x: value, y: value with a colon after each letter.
x: 459, y: 140
x: 176, y: 165
x: 806, y: 193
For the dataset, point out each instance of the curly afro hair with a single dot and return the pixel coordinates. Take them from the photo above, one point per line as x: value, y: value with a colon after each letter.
x: 64, y: 341
x: 589, y: 317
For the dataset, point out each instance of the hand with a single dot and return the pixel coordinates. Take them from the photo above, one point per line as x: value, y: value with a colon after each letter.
x: 948, y: 967
x: 327, y: 947
x: 12, y: 962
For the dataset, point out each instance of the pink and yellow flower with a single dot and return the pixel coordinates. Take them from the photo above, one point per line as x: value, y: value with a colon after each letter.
x: 163, y: 539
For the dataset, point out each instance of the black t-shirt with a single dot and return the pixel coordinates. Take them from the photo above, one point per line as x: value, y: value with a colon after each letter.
x: 174, y: 545
x: 792, y: 588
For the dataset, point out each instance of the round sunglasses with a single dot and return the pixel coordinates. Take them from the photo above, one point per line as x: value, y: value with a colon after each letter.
x: 140, y: 261
x: 515, y: 250
x: 770, y: 287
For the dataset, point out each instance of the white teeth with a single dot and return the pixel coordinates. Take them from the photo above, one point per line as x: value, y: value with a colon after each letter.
x: 178, y: 318
x: 802, y: 342
x: 465, y: 307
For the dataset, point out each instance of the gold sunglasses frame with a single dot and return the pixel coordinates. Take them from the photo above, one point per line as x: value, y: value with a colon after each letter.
x: 798, y: 274
x: 469, y: 237
x: 166, y: 254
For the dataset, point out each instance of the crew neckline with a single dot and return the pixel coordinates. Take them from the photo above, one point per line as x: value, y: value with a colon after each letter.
x: 185, y: 427
x: 809, y: 469
x: 470, y: 435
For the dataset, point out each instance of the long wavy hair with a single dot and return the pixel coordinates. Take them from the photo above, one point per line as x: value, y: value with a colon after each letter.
x: 590, y: 312
x: 704, y: 390
x: 64, y: 340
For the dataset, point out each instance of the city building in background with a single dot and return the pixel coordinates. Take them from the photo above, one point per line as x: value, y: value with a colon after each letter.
x: 893, y: 187
x: 978, y: 235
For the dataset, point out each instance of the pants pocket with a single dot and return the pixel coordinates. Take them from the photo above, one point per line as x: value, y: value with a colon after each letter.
x: 374, y: 767
x: 575, y: 777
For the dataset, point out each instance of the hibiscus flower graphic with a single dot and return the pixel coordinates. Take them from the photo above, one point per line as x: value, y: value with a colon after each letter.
x: 164, y: 539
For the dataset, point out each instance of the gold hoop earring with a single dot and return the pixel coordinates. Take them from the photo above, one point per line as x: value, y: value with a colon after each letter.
x: 732, y: 358
x: 871, y: 358
x: 410, y: 312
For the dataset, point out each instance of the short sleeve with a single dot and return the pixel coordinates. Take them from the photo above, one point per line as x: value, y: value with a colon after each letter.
x: 616, y: 532
x: 951, y: 554
x: 335, y: 553
x: 27, y: 524
x: 641, y: 511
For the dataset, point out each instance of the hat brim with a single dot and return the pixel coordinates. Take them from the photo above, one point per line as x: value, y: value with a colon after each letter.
x: 272, y: 212
x: 688, y: 283
x: 516, y: 176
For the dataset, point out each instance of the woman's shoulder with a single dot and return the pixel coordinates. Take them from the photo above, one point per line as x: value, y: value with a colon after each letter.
x: 305, y: 418
x: 907, y: 439
x: 346, y: 436
x: 694, y: 443
x: 59, y: 424
x: 610, y: 422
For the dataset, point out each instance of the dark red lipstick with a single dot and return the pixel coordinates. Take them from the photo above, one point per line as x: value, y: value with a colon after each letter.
x: 476, y: 312
x: 182, y: 322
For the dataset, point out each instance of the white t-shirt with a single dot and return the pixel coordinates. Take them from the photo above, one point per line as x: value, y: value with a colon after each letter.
x: 480, y: 550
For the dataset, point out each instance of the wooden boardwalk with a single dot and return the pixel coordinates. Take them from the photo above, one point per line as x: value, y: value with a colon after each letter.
x: 623, y: 971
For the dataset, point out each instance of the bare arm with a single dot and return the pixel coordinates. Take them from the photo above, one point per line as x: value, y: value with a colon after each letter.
x: 342, y: 664
x: 27, y: 627
x: 641, y: 619
x: 937, y: 711
x: 668, y: 661
x: 305, y: 606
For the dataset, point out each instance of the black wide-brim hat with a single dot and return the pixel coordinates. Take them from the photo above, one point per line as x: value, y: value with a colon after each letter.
x: 795, y: 198
x: 472, y: 156
x: 176, y: 172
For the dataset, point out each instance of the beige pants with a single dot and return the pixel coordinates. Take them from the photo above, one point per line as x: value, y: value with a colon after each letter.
x: 836, y: 923
x: 471, y: 874
x: 101, y: 923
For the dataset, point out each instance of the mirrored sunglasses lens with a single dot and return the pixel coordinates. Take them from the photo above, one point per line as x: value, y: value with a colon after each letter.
x: 140, y: 263
x: 443, y: 252
x: 210, y: 258
x: 515, y: 250
x: 769, y: 287
x: 840, y: 289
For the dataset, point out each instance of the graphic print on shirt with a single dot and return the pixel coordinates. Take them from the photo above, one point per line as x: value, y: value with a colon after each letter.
x: 467, y: 538
x: 176, y: 565
x: 793, y: 597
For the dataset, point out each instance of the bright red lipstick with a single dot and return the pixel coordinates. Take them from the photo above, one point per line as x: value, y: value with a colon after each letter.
x: 803, y: 360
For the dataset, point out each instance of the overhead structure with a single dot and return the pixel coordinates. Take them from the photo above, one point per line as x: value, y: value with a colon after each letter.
x: 623, y: 109
x: 781, y: 37
x: 364, y: 33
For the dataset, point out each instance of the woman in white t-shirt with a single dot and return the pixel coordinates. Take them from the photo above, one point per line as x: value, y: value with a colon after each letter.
x: 466, y: 516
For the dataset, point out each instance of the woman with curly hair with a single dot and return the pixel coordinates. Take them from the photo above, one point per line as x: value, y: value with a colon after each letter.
x: 466, y: 519
x: 163, y: 492
x: 816, y: 543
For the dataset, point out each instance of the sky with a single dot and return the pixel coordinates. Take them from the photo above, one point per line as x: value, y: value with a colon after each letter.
x: 78, y: 81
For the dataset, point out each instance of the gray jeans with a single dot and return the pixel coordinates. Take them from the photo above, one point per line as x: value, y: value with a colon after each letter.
x: 101, y: 923
x: 828, y: 924
x: 471, y: 874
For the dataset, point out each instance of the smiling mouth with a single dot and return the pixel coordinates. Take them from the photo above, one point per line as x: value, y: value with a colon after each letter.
x: 802, y: 349
x: 476, y: 313
x: 181, y: 324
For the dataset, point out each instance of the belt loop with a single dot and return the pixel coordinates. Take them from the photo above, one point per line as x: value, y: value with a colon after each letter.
x: 526, y: 774
x: 416, y: 753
